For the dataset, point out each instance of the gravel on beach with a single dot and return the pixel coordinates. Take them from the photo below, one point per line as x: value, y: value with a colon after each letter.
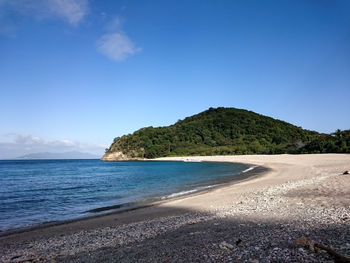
x: 259, y: 226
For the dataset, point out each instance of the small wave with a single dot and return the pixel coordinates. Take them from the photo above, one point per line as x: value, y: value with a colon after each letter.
x: 180, y: 194
x: 188, y: 191
x: 191, y: 161
x: 249, y: 169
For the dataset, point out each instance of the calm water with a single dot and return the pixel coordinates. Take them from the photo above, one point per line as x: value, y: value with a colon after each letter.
x: 37, y: 191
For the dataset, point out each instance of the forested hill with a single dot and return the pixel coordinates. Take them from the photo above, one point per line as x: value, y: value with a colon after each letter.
x: 213, y: 132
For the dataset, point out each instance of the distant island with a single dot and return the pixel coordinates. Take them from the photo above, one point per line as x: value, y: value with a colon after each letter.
x: 225, y: 131
x: 64, y: 155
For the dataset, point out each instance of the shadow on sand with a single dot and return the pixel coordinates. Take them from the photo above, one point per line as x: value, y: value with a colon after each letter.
x: 206, y: 238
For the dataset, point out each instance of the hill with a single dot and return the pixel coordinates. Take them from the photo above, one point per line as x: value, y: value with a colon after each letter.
x: 65, y: 155
x: 337, y: 142
x: 213, y: 132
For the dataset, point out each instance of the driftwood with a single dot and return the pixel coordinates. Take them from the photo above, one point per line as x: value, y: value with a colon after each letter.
x: 315, y: 247
x: 337, y: 257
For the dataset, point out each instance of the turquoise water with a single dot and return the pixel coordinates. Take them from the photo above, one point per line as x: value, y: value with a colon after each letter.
x: 38, y: 191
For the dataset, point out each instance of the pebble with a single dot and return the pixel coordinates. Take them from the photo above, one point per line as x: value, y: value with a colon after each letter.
x: 266, y: 223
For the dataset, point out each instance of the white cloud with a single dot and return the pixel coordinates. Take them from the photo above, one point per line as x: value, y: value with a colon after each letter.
x: 36, y: 139
x: 71, y: 11
x: 16, y: 145
x: 117, y: 46
x: 63, y: 142
x: 24, y: 139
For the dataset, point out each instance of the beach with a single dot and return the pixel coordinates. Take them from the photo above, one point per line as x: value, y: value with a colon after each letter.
x: 256, y: 220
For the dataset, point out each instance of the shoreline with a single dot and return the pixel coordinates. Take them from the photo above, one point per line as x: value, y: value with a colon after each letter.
x: 142, y: 204
x: 301, y: 195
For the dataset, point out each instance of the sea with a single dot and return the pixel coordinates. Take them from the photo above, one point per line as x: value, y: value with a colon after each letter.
x: 35, y: 192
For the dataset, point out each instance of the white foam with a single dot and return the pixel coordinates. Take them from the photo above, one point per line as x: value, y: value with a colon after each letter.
x: 249, y: 169
x: 180, y: 194
x: 192, y: 160
x: 199, y: 188
x: 188, y: 191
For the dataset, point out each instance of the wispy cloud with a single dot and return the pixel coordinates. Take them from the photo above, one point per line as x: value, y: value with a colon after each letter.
x: 115, y: 24
x: 117, y: 46
x: 24, y: 139
x: 20, y: 144
x: 73, y: 11
x: 70, y: 11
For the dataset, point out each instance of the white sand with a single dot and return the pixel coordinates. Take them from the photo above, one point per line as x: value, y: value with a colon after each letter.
x: 301, y: 195
x: 316, y: 174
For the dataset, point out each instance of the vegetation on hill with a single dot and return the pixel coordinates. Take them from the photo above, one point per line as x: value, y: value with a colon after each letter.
x: 223, y: 131
x: 337, y: 142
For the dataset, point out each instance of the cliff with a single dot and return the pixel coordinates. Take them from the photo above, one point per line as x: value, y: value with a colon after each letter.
x: 118, y: 156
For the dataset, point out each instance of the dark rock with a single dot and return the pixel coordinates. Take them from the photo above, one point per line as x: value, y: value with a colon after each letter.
x: 16, y: 257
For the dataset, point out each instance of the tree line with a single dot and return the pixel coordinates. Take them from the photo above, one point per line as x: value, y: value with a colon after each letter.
x: 225, y: 131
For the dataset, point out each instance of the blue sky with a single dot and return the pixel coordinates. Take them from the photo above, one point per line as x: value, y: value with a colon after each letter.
x: 77, y: 73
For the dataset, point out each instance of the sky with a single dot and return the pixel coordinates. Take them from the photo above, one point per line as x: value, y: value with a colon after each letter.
x: 74, y: 74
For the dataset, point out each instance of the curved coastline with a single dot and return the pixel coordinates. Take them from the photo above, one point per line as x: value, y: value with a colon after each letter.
x: 253, y: 171
x: 299, y: 195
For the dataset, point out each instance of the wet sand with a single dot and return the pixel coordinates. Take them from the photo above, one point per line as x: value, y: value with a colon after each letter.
x: 252, y: 221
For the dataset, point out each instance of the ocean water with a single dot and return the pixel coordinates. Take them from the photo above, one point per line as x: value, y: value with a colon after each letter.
x: 38, y: 191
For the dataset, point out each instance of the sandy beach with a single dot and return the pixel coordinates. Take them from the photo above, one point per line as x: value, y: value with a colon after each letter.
x: 256, y: 220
